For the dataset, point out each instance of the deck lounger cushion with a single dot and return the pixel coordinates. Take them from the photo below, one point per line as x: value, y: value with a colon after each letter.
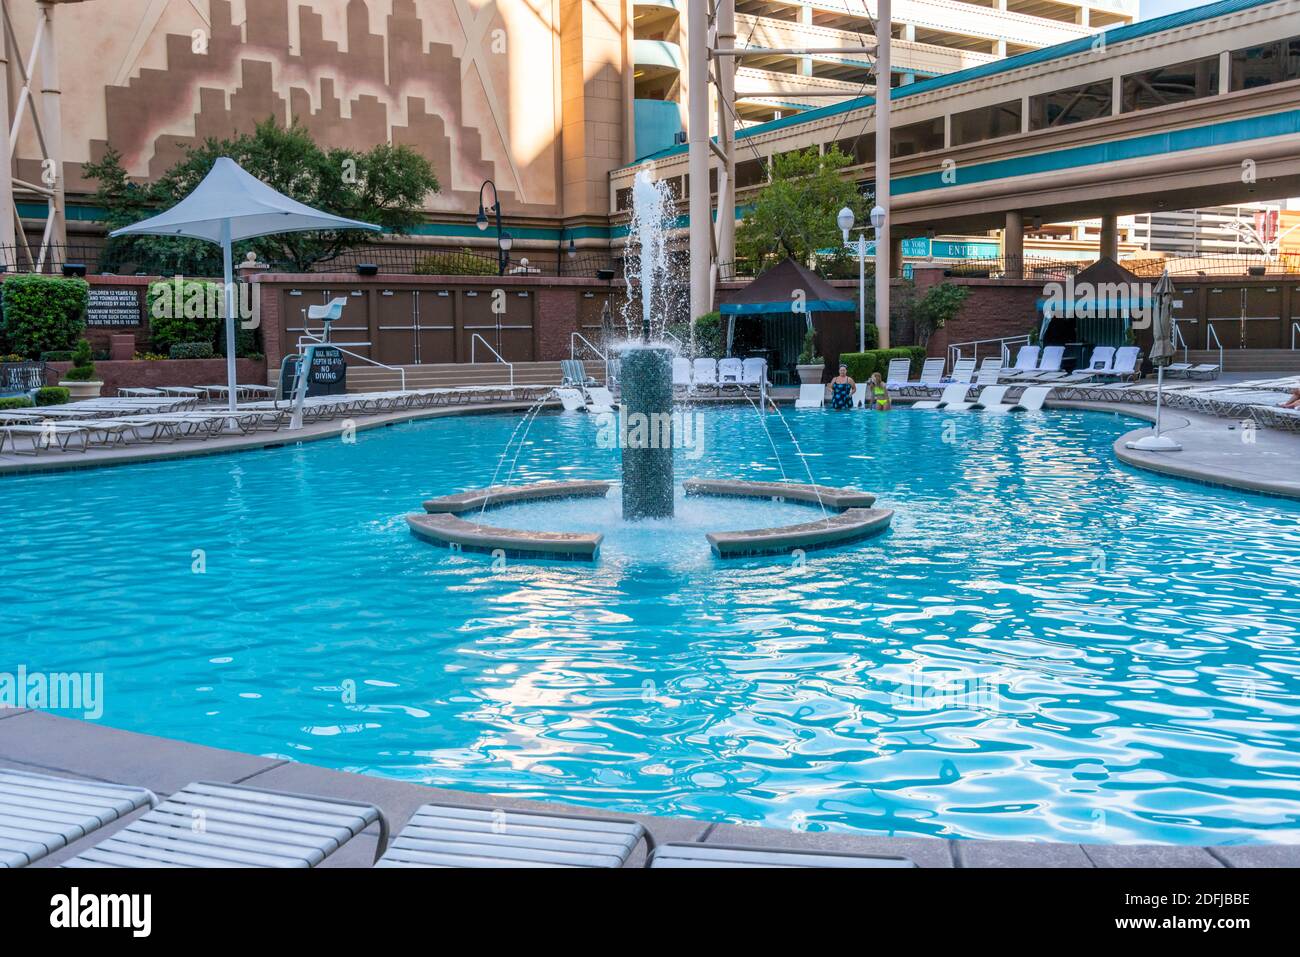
x: 681, y: 371
x: 1051, y: 360
x: 951, y: 394
x: 727, y: 855
x: 705, y: 371
x: 730, y: 371
x: 447, y: 835
x: 207, y: 824
x: 40, y: 814
x: 753, y: 372
x: 811, y: 397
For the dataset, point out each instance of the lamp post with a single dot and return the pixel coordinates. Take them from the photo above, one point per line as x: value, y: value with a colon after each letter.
x: 845, y: 220
x: 504, y: 240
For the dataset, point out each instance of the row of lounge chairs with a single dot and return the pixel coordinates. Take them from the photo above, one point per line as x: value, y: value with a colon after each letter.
x: 127, y: 420
x: 718, y: 374
x: 254, y: 827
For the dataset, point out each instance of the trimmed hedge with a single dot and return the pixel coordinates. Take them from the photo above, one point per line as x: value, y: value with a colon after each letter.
x: 863, y: 364
x: 53, y: 395
x: 185, y: 312
x: 42, y: 313
x: 191, y: 350
x: 15, y: 402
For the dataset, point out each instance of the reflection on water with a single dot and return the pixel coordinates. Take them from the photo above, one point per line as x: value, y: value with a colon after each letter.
x: 1046, y: 645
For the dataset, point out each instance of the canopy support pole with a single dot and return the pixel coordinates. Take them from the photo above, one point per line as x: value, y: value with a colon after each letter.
x: 227, y: 257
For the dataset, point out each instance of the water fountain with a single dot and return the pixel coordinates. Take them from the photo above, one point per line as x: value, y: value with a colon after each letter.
x: 646, y: 439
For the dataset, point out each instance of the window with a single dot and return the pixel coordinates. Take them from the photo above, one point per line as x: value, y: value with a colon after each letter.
x: 859, y: 149
x: 1274, y: 62
x: 623, y: 199
x: 986, y: 123
x: 1176, y: 83
x: 916, y: 138
x: 750, y: 173
x: 1073, y: 105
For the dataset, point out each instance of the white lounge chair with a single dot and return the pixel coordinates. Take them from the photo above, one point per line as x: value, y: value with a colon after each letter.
x: 600, y: 400
x: 899, y: 370
x: 1051, y: 359
x: 952, y: 393
x: 988, y: 375
x: 705, y: 373
x: 1026, y: 362
x: 753, y: 373
x: 1032, y: 399
x: 1101, y: 359
x: 811, y: 397
x: 574, y: 373
x: 570, y: 399
x: 860, y: 395
x: 681, y: 372
x: 1125, y: 364
x: 242, y: 827
x: 450, y: 835
x: 1204, y: 370
x: 730, y: 371
x: 39, y: 813
x: 931, y: 376
x: 990, y: 395
x: 963, y: 370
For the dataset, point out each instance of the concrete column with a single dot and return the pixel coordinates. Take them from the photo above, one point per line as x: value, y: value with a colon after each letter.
x: 883, y: 245
x: 8, y: 232
x: 629, y: 86
x: 701, y: 220
x: 806, y: 63
x: 52, y: 123
x: 1109, y: 236
x: 1013, y: 245
x: 726, y: 20
x: 1225, y: 72
x: 1082, y: 17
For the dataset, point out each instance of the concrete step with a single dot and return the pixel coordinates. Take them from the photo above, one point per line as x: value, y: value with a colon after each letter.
x: 362, y: 378
x: 1248, y: 360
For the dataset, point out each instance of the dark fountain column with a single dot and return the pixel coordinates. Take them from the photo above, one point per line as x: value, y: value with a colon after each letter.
x: 647, y: 374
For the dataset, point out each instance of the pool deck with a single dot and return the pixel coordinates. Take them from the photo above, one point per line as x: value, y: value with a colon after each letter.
x: 1216, y: 451
x: 46, y: 743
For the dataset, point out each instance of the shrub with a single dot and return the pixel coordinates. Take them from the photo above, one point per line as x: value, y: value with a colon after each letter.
x: 940, y: 303
x: 14, y: 357
x: 191, y: 350
x: 184, y: 311
x: 83, y: 364
x: 57, y: 355
x: 42, y: 313
x: 808, y: 356
x: 247, y: 342
x: 862, y: 364
x: 15, y: 402
x: 466, y: 262
x: 52, y: 395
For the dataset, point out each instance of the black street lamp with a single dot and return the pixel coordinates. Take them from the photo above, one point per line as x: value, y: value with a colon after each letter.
x: 504, y: 240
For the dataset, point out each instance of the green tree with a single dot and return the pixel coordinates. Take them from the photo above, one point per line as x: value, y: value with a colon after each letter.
x: 795, y: 214
x: 385, y: 185
x: 940, y: 304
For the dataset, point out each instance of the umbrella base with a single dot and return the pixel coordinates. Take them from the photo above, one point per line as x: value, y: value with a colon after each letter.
x: 1154, y: 443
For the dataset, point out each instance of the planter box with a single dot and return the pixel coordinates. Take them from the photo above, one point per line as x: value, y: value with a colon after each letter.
x: 811, y: 374
x: 143, y: 373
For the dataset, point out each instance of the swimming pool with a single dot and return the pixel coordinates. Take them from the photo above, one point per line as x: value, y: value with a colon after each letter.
x: 1046, y: 645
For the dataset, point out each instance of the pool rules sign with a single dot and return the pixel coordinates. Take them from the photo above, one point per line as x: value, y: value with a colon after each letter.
x: 109, y: 306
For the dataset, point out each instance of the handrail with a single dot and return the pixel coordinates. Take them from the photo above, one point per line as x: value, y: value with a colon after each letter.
x: 956, y: 349
x: 1295, y: 327
x: 1179, y: 337
x: 321, y: 341
x: 473, y: 344
x: 1209, y: 332
x: 573, y: 351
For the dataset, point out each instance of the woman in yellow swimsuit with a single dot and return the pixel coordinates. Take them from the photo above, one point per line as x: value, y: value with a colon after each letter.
x: 880, y: 401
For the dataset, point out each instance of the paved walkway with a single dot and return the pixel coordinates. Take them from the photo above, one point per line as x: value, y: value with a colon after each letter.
x: 41, y: 742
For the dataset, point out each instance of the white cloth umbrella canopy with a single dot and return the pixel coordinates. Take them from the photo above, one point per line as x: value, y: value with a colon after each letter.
x: 231, y: 205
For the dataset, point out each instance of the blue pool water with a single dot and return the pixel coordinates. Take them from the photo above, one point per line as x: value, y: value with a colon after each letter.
x: 1047, y: 645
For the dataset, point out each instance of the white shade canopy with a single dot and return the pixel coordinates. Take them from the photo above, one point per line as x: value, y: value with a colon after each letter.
x: 230, y: 195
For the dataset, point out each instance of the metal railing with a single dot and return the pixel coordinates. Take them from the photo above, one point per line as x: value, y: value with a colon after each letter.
x: 957, y: 349
x: 19, y: 377
x: 312, y: 339
x: 473, y: 347
x: 1211, y: 334
x: 1179, y: 338
x: 575, y: 338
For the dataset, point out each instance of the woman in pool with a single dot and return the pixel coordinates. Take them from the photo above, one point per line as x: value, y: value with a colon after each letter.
x: 880, y: 401
x: 1294, y: 401
x: 842, y: 387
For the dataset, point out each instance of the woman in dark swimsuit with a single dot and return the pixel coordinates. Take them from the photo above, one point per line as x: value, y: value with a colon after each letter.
x: 842, y: 390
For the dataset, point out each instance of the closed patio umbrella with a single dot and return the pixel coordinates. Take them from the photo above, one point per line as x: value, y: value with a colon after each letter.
x: 229, y: 206
x: 1162, y: 353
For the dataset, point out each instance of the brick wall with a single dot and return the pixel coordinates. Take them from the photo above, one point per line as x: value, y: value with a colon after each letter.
x: 145, y: 374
